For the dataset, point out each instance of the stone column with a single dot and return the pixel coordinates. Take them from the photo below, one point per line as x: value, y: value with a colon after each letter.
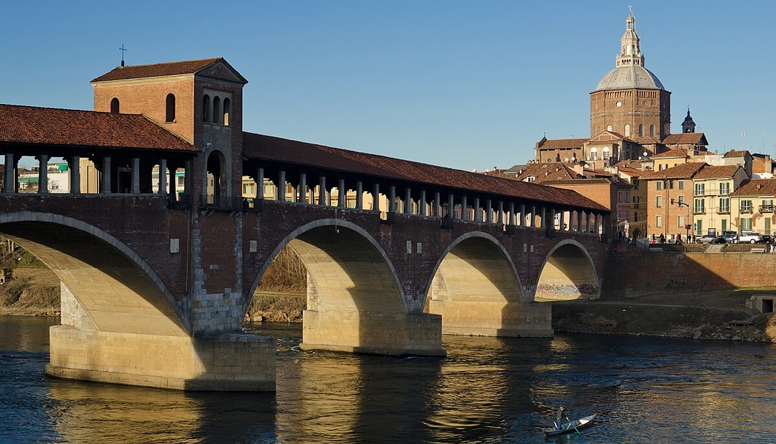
x: 322, y: 191
x: 522, y: 215
x: 359, y: 195
x: 489, y: 211
x: 376, y: 198
x: 464, y: 208
x: 392, y: 199
x: 407, y: 201
x: 105, y: 189
x: 422, y: 206
x: 438, y: 205
x: 451, y: 205
x: 10, y: 177
x: 562, y: 221
x: 135, y: 187
x: 260, y: 183
x: 280, y: 189
x: 162, y: 176
x: 500, y: 212
x: 75, y: 174
x: 303, y: 188
x: 43, y: 174
x: 477, y: 213
x: 341, y: 193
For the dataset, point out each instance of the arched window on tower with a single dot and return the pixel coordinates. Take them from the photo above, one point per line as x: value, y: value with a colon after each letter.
x: 206, y: 108
x: 605, y: 154
x: 114, y: 105
x: 652, y: 131
x: 641, y: 130
x: 594, y: 153
x: 627, y: 130
x: 170, y: 108
x: 227, y: 111
x: 216, y: 109
x: 608, y: 128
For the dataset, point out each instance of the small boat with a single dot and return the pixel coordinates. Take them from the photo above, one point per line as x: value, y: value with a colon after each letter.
x: 571, y: 426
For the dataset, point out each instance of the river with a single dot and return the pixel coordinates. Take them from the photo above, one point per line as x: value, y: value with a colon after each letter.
x: 487, y: 390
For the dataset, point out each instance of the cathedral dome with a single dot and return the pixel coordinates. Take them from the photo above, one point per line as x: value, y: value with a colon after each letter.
x: 628, y: 77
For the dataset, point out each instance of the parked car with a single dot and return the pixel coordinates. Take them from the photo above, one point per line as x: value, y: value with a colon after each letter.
x: 750, y: 237
x: 766, y: 239
x: 731, y: 237
x: 710, y: 239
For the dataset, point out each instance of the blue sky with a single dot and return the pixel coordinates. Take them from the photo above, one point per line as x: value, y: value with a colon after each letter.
x: 464, y: 84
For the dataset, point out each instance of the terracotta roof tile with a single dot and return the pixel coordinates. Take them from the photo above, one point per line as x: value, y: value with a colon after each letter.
x: 685, y: 138
x: 156, y: 70
x: 633, y: 172
x: 268, y: 148
x: 757, y: 187
x: 547, y: 172
x: 562, y: 143
x: 52, y: 126
x: 716, y: 171
x: 676, y: 152
x: 683, y: 171
x: 734, y: 153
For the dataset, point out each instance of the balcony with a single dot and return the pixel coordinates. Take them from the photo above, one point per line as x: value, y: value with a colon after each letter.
x: 766, y: 208
x: 699, y: 211
x: 725, y: 210
x: 745, y: 210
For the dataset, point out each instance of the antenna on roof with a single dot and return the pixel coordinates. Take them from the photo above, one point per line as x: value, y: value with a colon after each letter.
x: 123, y: 50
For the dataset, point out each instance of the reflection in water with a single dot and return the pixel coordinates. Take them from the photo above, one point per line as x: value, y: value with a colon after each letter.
x: 487, y: 390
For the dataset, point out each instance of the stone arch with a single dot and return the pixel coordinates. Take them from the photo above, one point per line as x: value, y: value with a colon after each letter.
x: 567, y: 273
x: 476, y: 289
x: 355, y: 301
x: 113, y: 289
x: 347, y: 268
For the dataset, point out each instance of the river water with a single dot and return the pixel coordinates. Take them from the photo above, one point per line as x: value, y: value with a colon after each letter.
x: 487, y: 390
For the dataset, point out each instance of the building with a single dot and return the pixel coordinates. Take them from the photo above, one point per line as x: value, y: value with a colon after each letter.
x: 712, y: 188
x: 752, y: 206
x: 630, y: 116
x: 668, y: 203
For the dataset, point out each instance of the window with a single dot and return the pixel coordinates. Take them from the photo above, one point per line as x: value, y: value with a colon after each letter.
x: 658, y: 221
x: 724, y: 225
x: 700, y: 206
x: 659, y: 185
x: 606, y: 153
x: 767, y: 229
x: 699, y: 228
x: 652, y: 131
x: 700, y: 189
x: 594, y: 153
x: 724, y: 188
x: 681, y: 221
x: 659, y: 201
x: 635, y: 216
x: 170, y: 108
x: 681, y: 185
x: 681, y: 200
x: 216, y: 109
x: 608, y: 128
x: 627, y: 130
x: 746, y: 206
x: 227, y: 111
x: 724, y: 205
x: 206, y: 108
x: 641, y: 130
x: 767, y: 206
x: 663, y: 167
x: 746, y: 224
x: 114, y: 105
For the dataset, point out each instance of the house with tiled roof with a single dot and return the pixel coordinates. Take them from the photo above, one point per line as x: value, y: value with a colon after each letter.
x: 712, y: 188
x: 752, y: 206
x: 669, y: 196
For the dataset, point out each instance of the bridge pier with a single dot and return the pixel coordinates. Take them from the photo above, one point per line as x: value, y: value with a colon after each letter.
x: 227, y: 362
x: 491, y: 318
x: 398, y: 334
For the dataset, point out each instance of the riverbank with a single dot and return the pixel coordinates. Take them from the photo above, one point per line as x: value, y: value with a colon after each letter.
x: 714, y: 315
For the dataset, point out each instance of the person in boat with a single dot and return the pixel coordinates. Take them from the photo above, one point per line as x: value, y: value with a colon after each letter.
x: 560, y: 417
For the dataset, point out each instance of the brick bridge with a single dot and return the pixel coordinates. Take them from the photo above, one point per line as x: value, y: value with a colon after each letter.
x: 173, y: 213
